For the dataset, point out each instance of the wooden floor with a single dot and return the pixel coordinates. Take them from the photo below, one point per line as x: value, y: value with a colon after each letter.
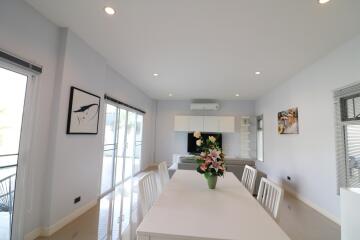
x: 103, y: 221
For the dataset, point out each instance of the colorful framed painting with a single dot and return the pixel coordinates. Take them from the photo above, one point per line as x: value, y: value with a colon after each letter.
x: 288, y: 121
x: 83, y: 115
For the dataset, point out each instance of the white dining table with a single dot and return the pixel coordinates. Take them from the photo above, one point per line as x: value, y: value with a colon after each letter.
x: 187, y: 209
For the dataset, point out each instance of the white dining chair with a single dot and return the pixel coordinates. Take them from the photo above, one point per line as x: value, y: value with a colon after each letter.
x: 270, y: 196
x: 249, y: 178
x: 148, y: 191
x: 163, y: 175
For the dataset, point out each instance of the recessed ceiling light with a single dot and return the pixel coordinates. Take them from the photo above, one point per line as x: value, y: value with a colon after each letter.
x: 170, y: 94
x: 109, y: 10
x: 155, y: 74
x: 237, y: 95
x: 257, y: 73
x: 323, y: 1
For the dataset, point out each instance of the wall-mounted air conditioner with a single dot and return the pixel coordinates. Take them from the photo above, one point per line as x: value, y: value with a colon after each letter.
x: 205, y: 106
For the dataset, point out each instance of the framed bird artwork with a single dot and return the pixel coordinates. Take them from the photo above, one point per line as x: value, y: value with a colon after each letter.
x: 83, y: 115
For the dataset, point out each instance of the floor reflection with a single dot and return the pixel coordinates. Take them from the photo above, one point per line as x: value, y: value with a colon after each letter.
x: 116, y: 216
x: 118, y: 213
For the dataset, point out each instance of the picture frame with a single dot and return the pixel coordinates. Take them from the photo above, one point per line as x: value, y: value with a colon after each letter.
x: 83, y: 113
x: 288, y: 121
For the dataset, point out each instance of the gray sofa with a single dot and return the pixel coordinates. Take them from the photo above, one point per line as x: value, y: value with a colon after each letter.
x: 235, y: 166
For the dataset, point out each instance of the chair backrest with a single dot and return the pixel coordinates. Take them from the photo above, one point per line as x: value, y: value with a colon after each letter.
x: 249, y: 178
x: 269, y: 196
x: 148, y: 191
x: 163, y: 174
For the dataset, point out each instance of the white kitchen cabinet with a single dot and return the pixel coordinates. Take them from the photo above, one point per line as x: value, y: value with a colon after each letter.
x: 196, y: 123
x: 211, y: 123
x: 204, y: 124
x: 181, y: 123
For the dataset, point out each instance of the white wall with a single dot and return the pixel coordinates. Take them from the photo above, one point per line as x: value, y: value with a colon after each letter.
x: 121, y: 89
x: 77, y: 159
x: 310, y: 157
x: 26, y: 33
x: 169, y: 142
x: 62, y: 166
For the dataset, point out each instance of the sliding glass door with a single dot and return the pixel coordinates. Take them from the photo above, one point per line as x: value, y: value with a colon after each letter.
x: 12, y: 99
x: 122, y: 146
x: 107, y: 175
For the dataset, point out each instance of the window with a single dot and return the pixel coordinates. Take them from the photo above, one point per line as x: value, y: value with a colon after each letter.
x: 122, y: 146
x: 260, y: 138
x: 347, y: 104
x: 350, y: 108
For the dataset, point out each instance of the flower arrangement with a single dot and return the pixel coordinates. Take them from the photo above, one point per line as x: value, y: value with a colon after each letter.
x: 211, y: 160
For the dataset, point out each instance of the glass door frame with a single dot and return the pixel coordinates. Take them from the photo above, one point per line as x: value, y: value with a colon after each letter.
x: 120, y: 107
x: 134, y: 143
x: 115, y: 150
x: 23, y: 171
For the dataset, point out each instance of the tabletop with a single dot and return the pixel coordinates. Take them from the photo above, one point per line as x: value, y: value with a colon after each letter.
x: 187, y: 209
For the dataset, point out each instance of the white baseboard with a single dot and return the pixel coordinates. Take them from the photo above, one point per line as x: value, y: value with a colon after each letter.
x: 48, y: 231
x: 313, y: 206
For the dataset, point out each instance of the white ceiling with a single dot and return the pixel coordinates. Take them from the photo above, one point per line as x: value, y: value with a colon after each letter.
x: 208, y: 48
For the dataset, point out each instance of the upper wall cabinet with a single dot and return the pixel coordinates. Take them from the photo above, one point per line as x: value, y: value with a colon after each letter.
x: 211, y: 124
x: 204, y: 123
x: 181, y: 123
x: 196, y: 123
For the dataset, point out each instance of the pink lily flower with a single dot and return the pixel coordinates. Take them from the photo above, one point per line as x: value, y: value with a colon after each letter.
x: 215, y: 154
x: 203, y: 167
x: 215, y: 164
